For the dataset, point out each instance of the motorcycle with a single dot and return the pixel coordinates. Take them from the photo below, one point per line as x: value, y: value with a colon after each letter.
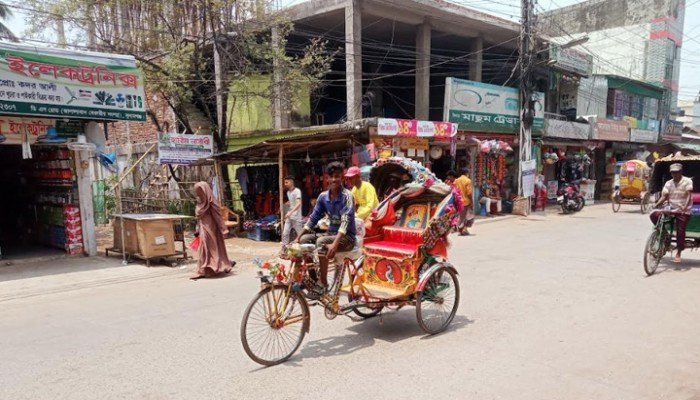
x: 570, y: 199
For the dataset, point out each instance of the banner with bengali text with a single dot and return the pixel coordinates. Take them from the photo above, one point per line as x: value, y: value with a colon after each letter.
x: 175, y: 148
x: 70, y: 84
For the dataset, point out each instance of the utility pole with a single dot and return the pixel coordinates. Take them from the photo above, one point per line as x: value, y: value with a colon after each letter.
x: 527, y: 109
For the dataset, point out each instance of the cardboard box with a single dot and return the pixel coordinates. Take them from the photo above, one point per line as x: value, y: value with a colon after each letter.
x: 130, y: 238
x: 155, y: 238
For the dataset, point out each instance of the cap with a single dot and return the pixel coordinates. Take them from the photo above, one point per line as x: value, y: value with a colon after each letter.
x: 676, y: 167
x: 352, y: 171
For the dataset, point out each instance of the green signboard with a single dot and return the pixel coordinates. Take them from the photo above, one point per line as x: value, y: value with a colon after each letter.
x: 68, y: 84
x: 482, y: 107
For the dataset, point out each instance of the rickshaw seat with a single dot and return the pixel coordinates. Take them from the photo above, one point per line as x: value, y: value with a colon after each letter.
x: 696, y: 198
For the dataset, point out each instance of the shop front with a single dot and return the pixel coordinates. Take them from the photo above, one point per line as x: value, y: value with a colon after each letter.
x: 49, y: 102
x: 430, y: 143
x: 488, y: 121
x: 566, y: 155
x: 258, y: 172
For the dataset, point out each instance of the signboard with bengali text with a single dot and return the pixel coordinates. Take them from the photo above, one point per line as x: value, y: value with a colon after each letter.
x: 13, y: 128
x: 68, y: 84
x: 610, y: 130
x: 643, y: 136
x: 175, y: 148
x: 482, y: 107
x: 410, y: 128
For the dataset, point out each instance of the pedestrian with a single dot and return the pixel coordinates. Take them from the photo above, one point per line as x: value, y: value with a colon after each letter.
x: 293, y: 219
x: 211, y: 230
x: 363, y: 192
x: 466, y: 217
x: 677, y: 192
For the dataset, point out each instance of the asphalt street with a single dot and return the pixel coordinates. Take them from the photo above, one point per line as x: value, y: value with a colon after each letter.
x: 552, y: 307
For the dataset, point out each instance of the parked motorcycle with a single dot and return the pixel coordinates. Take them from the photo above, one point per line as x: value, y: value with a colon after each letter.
x: 570, y: 198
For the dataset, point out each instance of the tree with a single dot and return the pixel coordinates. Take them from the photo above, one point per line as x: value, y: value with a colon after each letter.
x: 175, y: 43
x: 5, y: 32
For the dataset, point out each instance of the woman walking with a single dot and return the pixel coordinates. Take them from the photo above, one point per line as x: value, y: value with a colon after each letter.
x: 211, y: 230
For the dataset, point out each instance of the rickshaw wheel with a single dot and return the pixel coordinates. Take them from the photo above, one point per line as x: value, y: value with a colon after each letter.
x: 653, y: 252
x: 436, y: 304
x: 271, y: 339
x: 616, y: 204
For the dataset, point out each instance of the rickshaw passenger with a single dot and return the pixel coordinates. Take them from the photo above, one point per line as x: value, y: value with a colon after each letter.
x: 337, y: 202
x: 677, y: 192
x: 363, y: 192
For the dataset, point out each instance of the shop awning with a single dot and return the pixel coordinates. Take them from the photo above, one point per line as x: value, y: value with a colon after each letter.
x: 634, y: 87
x: 687, y: 146
x: 318, y: 140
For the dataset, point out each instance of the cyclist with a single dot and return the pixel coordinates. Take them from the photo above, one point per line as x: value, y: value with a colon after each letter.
x: 337, y: 203
x: 677, y: 192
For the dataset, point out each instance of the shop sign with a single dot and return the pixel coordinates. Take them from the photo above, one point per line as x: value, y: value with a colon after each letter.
x: 481, y: 107
x: 567, y: 129
x: 174, y: 148
x: 413, y: 128
x: 671, y: 131
x: 68, y: 84
x: 643, y: 136
x: 571, y: 60
x: 610, y: 129
x: 412, y: 143
x: 70, y: 128
x: 13, y: 129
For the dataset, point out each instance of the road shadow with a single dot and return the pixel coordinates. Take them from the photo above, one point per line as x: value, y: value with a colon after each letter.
x: 392, y: 327
x: 669, y: 266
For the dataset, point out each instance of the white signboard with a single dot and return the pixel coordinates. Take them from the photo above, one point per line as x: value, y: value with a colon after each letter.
x: 527, y: 169
x: 567, y: 129
x: 174, y: 148
x: 482, y: 107
x: 643, y: 136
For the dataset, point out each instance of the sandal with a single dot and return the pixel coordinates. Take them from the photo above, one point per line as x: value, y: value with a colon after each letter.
x: 677, y: 259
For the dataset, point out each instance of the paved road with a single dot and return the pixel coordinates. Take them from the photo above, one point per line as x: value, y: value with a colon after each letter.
x: 553, y: 307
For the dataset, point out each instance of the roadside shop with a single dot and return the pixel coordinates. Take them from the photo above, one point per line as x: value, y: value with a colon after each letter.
x: 51, y: 104
x: 257, y: 167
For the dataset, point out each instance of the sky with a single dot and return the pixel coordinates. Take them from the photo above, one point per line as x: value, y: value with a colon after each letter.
x: 689, y: 85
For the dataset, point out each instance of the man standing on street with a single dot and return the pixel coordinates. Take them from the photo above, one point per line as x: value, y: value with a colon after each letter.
x: 677, y: 192
x: 293, y: 218
x: 363, y: 192
x: 466, y: 217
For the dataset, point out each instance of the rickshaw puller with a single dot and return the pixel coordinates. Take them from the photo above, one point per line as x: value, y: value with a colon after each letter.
x: 677, y: 192
x: 337, y: 202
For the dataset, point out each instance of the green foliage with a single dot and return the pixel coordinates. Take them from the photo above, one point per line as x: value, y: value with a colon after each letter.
x: 174, y: 41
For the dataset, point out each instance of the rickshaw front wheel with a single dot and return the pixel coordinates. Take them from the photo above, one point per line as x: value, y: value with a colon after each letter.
x: 653, y: 252
x: 436, y: 304
x: 274, y: 325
